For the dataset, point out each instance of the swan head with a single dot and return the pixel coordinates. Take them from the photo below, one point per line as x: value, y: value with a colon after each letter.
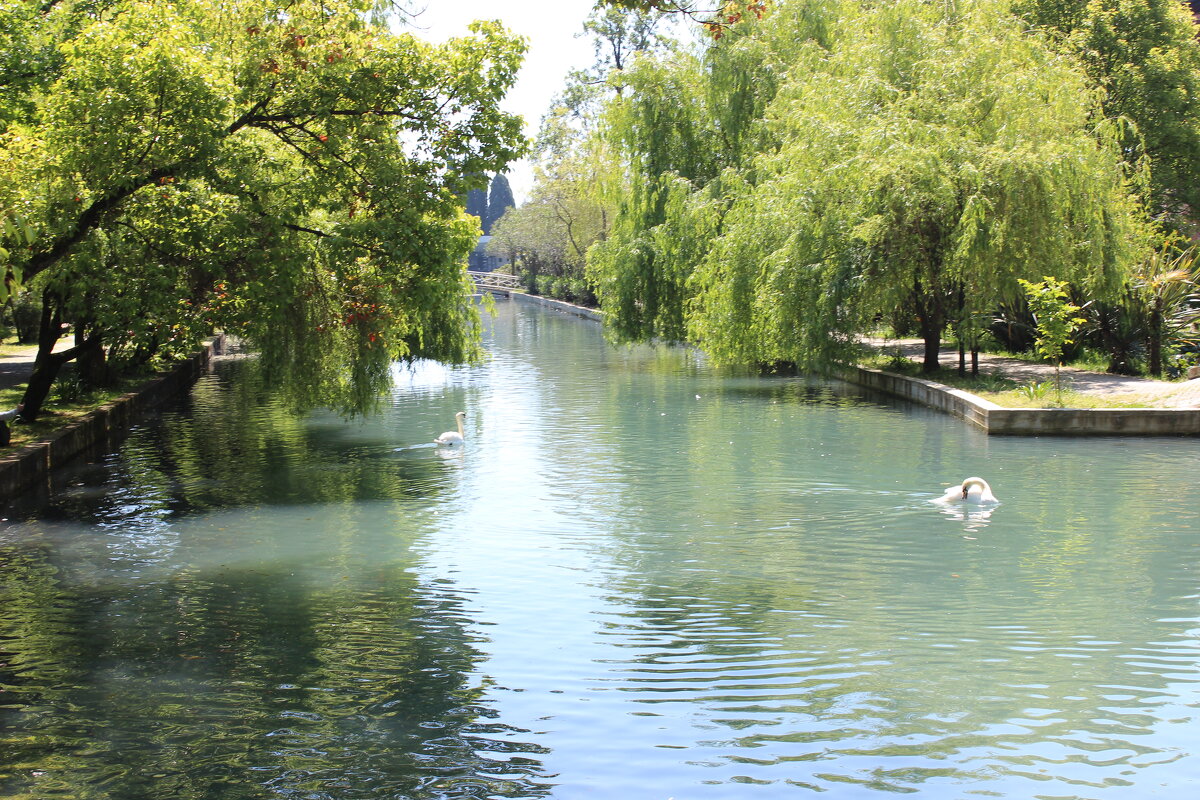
x: 454, y: 437
x: 982, y: 492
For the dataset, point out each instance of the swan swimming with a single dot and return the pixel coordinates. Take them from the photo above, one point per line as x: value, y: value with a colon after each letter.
x: 972, y: 490
x: 453, y: 438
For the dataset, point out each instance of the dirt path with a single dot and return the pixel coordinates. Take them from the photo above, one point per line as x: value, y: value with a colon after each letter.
x: 16, y: 361
x: 1156, y: 394
x: 16, y: 364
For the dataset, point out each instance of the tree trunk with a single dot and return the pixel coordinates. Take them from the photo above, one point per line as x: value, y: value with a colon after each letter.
x: 962, y: 357
x: 1156, y: 366
x: 931, y: 332
x: 48, y: 363
x: 91, y: 362
x: 975, y: 361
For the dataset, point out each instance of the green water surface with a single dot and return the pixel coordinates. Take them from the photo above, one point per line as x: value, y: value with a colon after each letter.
x: 641, y: 578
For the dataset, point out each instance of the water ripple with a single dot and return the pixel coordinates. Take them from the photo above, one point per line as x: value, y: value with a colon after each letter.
x: 642, y: 577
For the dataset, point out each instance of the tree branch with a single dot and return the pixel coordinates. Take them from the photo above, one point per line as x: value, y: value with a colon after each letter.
x: 91, y: 216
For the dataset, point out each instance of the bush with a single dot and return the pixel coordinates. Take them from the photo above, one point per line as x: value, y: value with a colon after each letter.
x: 565, y: 288
x: 26, y: 311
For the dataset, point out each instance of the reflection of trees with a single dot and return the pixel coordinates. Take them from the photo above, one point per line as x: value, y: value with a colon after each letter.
x: 232, y: 443
x: 189, y: 687
x: 281, y: 648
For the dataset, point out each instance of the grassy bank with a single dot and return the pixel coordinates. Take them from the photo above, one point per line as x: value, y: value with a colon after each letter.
x: 57, y: 414
x: 62, y: 407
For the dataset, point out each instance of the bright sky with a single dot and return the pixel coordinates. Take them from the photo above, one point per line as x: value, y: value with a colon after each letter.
x: 554, y: 50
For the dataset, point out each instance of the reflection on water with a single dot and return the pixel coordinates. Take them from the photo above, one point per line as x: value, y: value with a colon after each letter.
x: 639, y: 578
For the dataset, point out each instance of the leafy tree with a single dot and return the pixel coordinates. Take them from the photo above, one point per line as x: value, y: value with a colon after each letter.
x: 1145, y: 56
x: 572, y: 204
x: 663, y: 136
x: 617, y: 38
x: 287, y: 170
x: 1166, y: 284
x: 682, y: 136
x: 1057, y: 319
x: 715, y: 17
x: 1156, y: 313
x: 531, y: 239
x: 935, y: 158
x: 920, y: 156
x: 549, y: 235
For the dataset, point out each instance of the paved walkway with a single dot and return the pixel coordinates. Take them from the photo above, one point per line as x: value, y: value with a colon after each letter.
x: 16, y: 365
x: 1153, y: 393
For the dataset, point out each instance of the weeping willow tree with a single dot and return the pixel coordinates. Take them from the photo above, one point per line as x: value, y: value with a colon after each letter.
x: 913, y: 155
x: 938, y: 154
x: 663, y: 134
x: 689, y: 122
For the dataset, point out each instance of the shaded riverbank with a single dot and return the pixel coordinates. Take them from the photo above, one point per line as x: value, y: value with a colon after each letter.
x: 27, y: 469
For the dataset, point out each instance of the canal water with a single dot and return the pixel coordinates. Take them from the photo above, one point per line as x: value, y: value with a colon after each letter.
x: 640, y: 578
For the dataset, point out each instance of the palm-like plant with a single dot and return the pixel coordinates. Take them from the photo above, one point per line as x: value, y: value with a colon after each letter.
x: 1166, y: 289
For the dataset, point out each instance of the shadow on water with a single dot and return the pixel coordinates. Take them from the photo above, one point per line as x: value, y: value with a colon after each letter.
x: 640, y: 578
x: 229, y: 607
x: 230, y: 443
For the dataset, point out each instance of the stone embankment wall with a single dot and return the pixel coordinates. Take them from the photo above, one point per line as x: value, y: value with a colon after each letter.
x: 557, y: 305
x: 1000, y: 420
x: 22, y: 471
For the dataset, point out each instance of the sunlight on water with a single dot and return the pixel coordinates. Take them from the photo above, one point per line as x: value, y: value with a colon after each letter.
x: 640, y: 578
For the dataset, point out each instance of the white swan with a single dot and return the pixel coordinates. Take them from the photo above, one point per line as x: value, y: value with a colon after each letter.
x: 453, y: 438
x: 972, y: 490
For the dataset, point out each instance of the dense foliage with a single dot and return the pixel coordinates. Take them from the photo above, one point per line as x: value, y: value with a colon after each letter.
x: 290, y: 171
x: 1145, y: 57
x: 831, y: 166
x: 574, y: 201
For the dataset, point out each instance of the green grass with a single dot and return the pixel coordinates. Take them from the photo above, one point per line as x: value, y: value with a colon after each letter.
x: 1070, y: 399
x: 57, y: 413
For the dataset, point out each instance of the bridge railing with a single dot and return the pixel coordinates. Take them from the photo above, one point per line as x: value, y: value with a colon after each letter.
x: 485, y: 281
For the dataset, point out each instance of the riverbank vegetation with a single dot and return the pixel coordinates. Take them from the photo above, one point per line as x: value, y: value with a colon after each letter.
x: 768, y: 180
x: 290, y: 172
x: 807, y: 170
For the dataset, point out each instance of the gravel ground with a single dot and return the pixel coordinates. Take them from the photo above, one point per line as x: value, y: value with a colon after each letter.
x: 1156, y: 394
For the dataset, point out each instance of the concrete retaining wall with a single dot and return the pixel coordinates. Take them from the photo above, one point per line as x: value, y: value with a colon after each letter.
x: 557, y: 305
x: 999, y: 420
x: 24, y: 469
x: 963, y: 405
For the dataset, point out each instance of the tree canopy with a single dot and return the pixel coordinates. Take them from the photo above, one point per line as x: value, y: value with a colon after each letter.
x: 288, y: 170
x: 1144, y: 56
x: 903, y: 155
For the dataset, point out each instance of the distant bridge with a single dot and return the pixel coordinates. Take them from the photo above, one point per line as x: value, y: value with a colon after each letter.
x: 494, y: 282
